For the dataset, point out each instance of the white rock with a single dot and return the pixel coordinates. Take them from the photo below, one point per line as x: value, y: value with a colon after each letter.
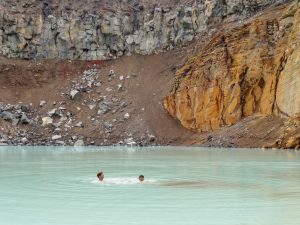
x: 79, y: 124
x: 24, y: 140
x: 74, y: 94
x: 52, y: 112
x: 120, y: 87
x: 111, y: 72
x: 121, y: 77
x: 92, y: 107
x: 130, y: 141
x: 129, y: 39
x: 79, y: 143
x: 42, y: 103
x: 74, y: 137
x: 56, y: 137
x: 58, y: 124
x: 126, y: 116
x: 47, y: 120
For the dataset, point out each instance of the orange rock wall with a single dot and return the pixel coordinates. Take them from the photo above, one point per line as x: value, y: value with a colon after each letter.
x: 251, y: 68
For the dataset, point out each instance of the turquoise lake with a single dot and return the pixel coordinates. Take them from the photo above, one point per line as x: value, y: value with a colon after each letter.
x: 183, y: 186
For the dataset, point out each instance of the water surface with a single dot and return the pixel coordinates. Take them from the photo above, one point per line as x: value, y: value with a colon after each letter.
x: 183, y: 186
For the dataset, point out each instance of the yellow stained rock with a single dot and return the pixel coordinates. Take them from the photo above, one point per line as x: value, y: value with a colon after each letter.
x: 254, y: 68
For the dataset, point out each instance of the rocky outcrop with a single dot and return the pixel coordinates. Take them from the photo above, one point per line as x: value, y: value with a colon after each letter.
x: 89, y: 34
x: 248, y: 69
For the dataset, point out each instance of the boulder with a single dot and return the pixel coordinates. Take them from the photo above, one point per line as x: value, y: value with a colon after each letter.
x: 126, y: 116
x: 46, y: 121
x: 79, y: 143
x: 92, y: 106
x: 79, y: 124
x: 8, y: 116
x: 130, y: 141
x: 56, y: 137
x: 42, y: 103
x: 24, y: 140
x: 120, y: 87
x: 75, y: 94
x: 54, y: 112
x: 24, y: 119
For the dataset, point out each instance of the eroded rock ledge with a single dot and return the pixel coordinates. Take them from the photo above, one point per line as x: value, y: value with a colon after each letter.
x: 52, y: 29
x: 241, y: 71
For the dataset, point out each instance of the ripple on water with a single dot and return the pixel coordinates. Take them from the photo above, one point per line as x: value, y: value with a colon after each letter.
x: 122, y: 181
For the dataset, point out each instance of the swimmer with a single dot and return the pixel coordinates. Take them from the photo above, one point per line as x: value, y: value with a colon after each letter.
x: 141, y: 178
x: 100, y: 176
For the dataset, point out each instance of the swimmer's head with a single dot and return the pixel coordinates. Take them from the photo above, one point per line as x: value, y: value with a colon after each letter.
x: 100, y: 176
x: 141, y: 178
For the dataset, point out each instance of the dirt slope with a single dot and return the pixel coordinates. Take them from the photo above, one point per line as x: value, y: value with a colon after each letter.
x: 145, y: 81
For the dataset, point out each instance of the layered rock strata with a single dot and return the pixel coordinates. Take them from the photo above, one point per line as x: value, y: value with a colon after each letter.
x: 45, y: 29
x: 241, y: 71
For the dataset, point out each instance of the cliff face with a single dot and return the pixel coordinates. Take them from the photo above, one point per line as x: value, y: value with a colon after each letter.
x: 248, y: 69
x: 107, y: 29
x: 288, y: 80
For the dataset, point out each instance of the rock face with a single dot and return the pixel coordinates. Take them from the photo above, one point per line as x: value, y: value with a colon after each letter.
x: 248, y: 69
x: 288, y: 86
x: 49, y: 29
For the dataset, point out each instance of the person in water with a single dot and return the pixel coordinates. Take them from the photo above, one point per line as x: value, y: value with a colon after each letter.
x: 141, y: 178
x: 100, y: 176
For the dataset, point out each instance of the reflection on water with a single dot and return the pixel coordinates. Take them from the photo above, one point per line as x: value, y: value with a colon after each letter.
x: 202, y: 184
x: 286, y: 195
x: 183, y: 186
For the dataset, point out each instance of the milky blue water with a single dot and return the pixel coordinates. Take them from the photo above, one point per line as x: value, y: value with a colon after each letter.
x: 183, y: 186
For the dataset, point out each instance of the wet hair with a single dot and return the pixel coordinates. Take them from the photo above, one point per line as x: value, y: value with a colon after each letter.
x: 141, y: 176
x: 99, y: 174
